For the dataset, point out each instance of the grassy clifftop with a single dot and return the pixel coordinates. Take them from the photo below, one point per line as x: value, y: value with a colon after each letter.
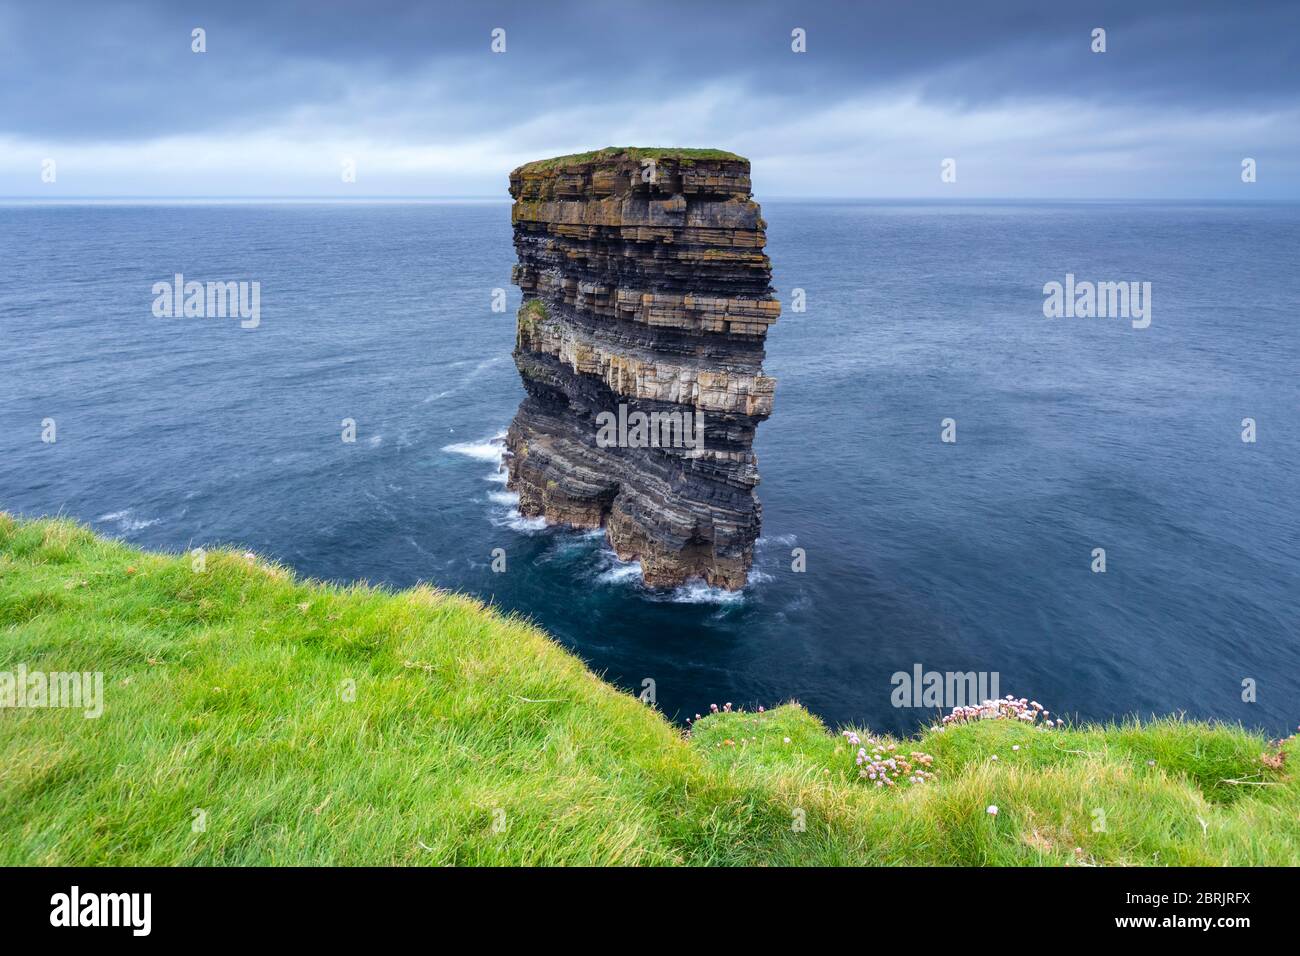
x: 254, y: 718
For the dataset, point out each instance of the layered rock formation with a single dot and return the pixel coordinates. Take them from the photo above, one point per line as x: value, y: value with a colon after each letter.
x: 646, y: 290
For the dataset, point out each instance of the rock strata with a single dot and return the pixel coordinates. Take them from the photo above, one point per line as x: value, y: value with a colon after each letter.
x: 646, y: 298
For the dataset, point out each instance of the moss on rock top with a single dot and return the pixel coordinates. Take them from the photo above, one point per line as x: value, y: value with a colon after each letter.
x: 682, y: 154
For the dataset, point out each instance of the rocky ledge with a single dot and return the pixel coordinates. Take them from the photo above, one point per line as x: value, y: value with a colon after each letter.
x: 646, y: 301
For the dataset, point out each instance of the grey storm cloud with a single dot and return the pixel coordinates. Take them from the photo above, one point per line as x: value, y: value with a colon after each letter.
x: 414, y: 85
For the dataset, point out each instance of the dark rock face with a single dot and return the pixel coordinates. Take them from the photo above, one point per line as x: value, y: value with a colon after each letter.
x: 647, y: 297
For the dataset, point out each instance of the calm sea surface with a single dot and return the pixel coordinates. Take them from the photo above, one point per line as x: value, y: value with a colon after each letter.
x: 1073, y: 434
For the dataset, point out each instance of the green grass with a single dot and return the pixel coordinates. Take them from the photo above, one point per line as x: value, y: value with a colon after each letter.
x: 631, y: 152
x: 533, y: 311
x: 472, y: 738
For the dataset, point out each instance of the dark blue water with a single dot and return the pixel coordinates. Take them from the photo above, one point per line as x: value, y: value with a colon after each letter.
x: 1072, y: 434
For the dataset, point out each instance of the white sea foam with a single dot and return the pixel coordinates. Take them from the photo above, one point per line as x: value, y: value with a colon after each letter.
x: 127, y: 524
x: 493, y: 449
x: 693, y: 592
x: 697, y: 592
x: 623, y: 572
x: 504, y: 513
x: 484, y: 365
x: 587, y: 542
x: 517, y: 522
x: 490, y: 450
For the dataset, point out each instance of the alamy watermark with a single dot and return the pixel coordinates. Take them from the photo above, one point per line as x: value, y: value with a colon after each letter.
x: 75, y: 908
x: 637, y: 429
x: 213, y: 300
x: 1098, y: 300
x: 947, y: 689
x: 77, y: 690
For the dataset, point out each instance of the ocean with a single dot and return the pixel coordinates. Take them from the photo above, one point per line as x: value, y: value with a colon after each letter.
x: 1072, y: 434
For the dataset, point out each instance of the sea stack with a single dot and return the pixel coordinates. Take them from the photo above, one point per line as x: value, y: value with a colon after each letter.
x: 646, y: 301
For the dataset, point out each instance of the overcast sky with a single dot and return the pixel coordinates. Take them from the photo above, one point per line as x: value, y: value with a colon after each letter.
x: 412, y: 92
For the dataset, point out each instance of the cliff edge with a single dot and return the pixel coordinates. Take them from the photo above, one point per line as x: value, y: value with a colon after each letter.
x: 321, y: 724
